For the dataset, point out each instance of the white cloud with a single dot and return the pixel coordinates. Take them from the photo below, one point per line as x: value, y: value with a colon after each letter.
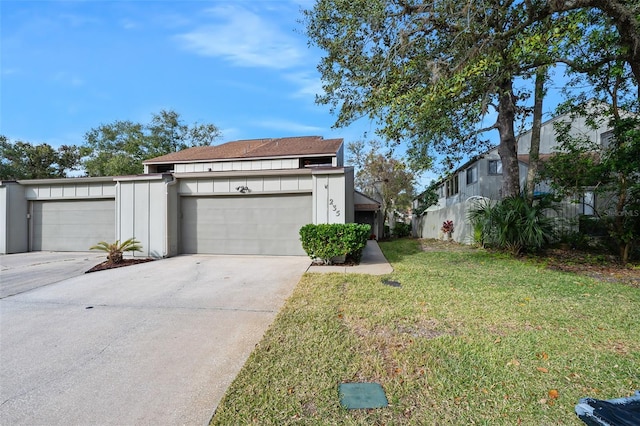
x: 128, y: 24
x: 10, y: 71
x: 244, y: 39
x: 68, y: 79
x: 289, y: 126
x: 308, y: 86
x: 77, y: 20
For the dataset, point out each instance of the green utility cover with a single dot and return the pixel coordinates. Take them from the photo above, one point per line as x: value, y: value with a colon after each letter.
x: 362, y: 395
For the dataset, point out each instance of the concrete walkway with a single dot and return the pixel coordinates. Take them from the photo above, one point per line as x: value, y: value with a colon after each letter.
x: 373, y: 263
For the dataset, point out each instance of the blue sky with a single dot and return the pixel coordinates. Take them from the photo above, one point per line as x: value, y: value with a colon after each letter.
x: 245, y: 66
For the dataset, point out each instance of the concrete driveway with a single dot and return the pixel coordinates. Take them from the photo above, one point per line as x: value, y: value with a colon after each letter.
x: 25, y: 271
x: 154, y: 343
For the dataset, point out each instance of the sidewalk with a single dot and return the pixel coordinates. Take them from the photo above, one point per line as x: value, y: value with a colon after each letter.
x: 373, y: 263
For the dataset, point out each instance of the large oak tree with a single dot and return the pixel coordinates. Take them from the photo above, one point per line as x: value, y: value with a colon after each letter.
x: 429, y: 72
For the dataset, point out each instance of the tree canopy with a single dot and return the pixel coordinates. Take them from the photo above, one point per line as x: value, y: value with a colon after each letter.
x: 116, y: 148
x: 430, y: 72
x: 23, y: 160
x: 119, y: 148
x: 602, y: 89
x: 382, y: 177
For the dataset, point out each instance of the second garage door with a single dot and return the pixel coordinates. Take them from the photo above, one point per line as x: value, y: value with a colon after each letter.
x: 73, y: 225
x: 265, y: 225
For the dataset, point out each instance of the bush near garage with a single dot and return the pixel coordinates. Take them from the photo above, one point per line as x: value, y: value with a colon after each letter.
x: 327, y: 241
x: 401, y: 230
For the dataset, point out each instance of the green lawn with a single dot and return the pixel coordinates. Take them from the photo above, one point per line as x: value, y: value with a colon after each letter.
x: 469, y: 338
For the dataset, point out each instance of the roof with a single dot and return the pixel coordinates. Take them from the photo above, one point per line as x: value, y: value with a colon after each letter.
x: 255, y: 148
x: 363, y: 202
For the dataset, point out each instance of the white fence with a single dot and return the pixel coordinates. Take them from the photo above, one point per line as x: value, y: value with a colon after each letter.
x: 428, y: 224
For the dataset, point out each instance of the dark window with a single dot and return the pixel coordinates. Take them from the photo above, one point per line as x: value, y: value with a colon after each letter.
x: 472, y: 175
x: 316, y: 162
x: 606, y: 138
x: 495, y: 167
x: 164, y: 168
x: 452, y: 186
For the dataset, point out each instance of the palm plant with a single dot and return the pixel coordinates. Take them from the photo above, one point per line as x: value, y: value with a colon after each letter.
x: 115, y: 251
x: 513, y: 224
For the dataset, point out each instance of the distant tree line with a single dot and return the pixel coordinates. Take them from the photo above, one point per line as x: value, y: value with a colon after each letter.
x: 117, y: 148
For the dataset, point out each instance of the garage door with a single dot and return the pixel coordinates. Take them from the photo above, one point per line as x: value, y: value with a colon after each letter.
x: 73, y: 225
x: 265, y: 225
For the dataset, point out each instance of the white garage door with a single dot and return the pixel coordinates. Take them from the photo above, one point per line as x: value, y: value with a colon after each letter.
x: 261, y: 224
x: 73, y: 225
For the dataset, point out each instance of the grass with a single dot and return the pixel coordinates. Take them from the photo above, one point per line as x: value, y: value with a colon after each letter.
x: 469, y: 338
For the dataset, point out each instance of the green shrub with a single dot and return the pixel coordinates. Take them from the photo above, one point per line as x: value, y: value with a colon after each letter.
x: 512, y: 224
x: 401, y: 230
x: 116, y: 250
x: 326, y: 241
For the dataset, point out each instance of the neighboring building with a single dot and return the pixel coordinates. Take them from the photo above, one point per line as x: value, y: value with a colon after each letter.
x: 481, y: 179
x: 241, y: 197
x: 367, y: 210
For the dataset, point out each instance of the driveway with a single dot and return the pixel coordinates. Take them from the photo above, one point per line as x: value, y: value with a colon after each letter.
x: 154, y: 343
x: 25, y: 271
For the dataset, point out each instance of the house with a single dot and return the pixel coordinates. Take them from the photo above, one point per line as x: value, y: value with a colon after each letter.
x: 240, y: 197
x: 480, y: 178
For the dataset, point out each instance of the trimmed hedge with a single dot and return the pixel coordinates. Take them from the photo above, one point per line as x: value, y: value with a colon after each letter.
x: 326, y: 241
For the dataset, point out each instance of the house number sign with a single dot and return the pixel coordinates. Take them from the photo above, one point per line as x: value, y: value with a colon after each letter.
x: 335, y: 208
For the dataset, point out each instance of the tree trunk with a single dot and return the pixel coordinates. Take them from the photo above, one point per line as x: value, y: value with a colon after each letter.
x: 534, y: 149
x: 507, y: 148
x: 625, y: 248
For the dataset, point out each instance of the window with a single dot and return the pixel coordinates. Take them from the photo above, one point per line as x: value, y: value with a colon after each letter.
x: 495, y: 167
x: 315, y: 162
x: 587, y: 203
x: 606, y: 138
x: 452, y: 186
x: 164, y: 168
x: 472, y: 175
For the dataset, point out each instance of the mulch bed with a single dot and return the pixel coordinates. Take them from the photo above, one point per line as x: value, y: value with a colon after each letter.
x: 601, y: 267
x: 125, y: 262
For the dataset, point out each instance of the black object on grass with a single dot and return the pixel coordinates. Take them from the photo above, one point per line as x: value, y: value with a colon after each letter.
x: 612, y: 412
